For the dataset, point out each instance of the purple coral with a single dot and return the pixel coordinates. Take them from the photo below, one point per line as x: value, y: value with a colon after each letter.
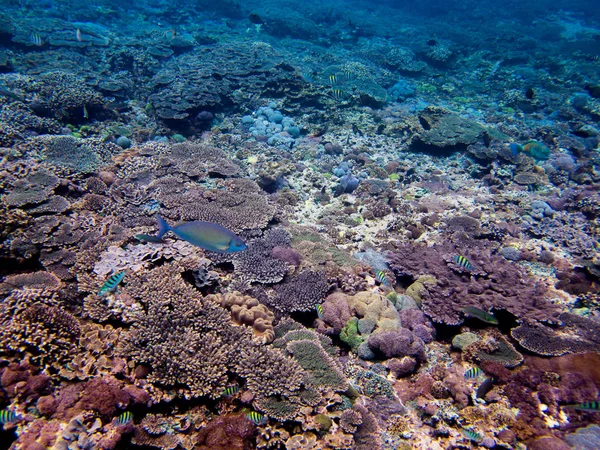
x: 399, y: 343
x: 494, y: 283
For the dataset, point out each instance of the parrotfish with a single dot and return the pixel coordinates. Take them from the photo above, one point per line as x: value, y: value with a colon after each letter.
x: 111, y: 284
x: 206, y: 235
x: 480, y: 314
x: 537, y: 150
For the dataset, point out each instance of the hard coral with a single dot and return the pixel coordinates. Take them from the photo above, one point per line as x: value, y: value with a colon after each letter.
x: 246, y: 310
x: 495, y: 283
x: 229, y: 432
x: 398, y: 343
x: 576, y: 335
x: 301, y: 293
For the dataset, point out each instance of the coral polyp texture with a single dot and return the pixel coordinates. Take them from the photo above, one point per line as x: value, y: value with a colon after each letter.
x: 401, y: 203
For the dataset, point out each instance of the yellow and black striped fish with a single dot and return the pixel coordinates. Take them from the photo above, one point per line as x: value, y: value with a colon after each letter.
x: 588, y: 406
x: 473, y: 372
x: 257, y: 418
x: 7, y: 416
x: 125, y: 418
x: 111, y: 284
x: 319, y: 309
x: 333, y: 79
x: 348, y: 75
x: 231, y: 390
x: 338, y: 94
x: 381, y: 276
x: 462, y: 261
x: 472, y: 434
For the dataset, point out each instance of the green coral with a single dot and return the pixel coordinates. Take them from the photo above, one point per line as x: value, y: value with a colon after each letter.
x: 350, y: 334
x: 324, y: 422
x: 321, y: 369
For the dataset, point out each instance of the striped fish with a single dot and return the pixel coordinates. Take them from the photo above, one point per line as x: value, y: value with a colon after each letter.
x: 462, y: 262
x: 588, y: 406
x: 472, y: 435
x: 125, y: 418
x: 473, y: 372
x: 338, y: 94
x: 257, y: 418
x: 319, y: 309
x: 36, y: 40
x: 7, y: 416
x: 231, y: 390
x: 111, y: 284
x: 381, y: 276
x: 348, y: 75
x: 333, y: 79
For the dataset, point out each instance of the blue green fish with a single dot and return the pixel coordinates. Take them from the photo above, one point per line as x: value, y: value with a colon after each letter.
x: 381, y: 276
x: 319, y: 309
x: 588, y: 406
x: 7, y: 416
x: 231, y: 390
x: 206, y: 235
x: 257, y: 418
x: 125, y: 418
x: 480, y: 314
x: 111, y: 284
x: 462, y: 262
x: 473, y: 372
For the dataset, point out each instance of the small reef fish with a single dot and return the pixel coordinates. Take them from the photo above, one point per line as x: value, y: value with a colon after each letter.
x: 472, y: 435
x: 480, y: 314
x: 206, y: 235
x: 36, y: 40
x: 170, y: 34
x: 319, y: 309
x: 484, y: 387
x: 349, y: 75
x: 7, y: 416
x: 111, y: 284
x: 79, y: 35
x: 333, y: 79
x: 125, y: 418
x: 231, y: 390
x: 473, y: 372
x: 382, y: 278
x: 588, y: 406
x: 462, y: 262
x: 533, y: 148
x: 85, y: 113
x: 338, y: 94
x: 257, y: 418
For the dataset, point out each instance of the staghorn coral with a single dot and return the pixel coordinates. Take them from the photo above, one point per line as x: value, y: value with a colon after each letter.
x: 496, y: 283
x: 246, y: 310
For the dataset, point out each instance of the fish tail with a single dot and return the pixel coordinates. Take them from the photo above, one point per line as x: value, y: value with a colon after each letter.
x: 163, y: 227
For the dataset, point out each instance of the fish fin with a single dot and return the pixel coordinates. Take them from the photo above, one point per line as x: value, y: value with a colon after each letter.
x: 515, y: 149
x: 163, y: 227
x: 148, y: 238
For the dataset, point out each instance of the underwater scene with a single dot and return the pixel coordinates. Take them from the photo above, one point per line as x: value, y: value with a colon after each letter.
x: 284, y: 225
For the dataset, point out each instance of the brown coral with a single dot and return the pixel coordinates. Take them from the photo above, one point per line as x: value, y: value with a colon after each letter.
x: 246, y: 310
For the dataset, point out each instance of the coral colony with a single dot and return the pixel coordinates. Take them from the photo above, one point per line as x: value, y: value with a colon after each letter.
x: 299, y: 226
